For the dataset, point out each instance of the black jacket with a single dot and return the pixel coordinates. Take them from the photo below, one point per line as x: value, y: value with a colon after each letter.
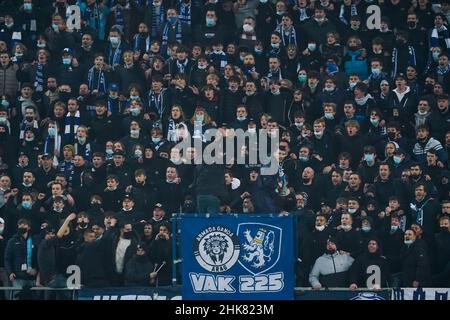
x: 137, y: 272
x: 16, y: 256
x: 415, y: 265
x: 349, y: 241
x: 359, y: 271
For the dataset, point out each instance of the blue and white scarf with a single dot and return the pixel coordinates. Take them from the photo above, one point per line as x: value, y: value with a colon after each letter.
x: 71, y: 126
x: 184, y: 13
x: 435, y: 36
x: 292, y: 36
x: 165, y: 35
x: 119, y: 16
x: 303, y: 14
x: 138, y: 43
x: 411, y: 59
x: 443, y: 70
x: 100, y: 86
x: 222, y: 57
x: 39, y: 80
x: 157, y: 19
x: 342, y: 13
x: 93, y: 14
x: 114, y: 54
x: 157, y: 101
x: 24, y: 125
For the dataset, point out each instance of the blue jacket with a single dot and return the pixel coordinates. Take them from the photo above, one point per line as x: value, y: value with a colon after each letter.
x: 16, y: 256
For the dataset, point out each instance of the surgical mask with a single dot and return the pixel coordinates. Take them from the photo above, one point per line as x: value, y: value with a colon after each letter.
x: 82, y: 139
x: 86, y: 46
x: 40, y: 45
x: 1, y: 230
x: 366, y: 229
x: 435, y: 55
x: 376, y: 71
x: 241, y: 118
x: 302, y: 77
x: 352, y: 210
x: 312, y: 86
x: 352, y: 84
x: 138, y: 153
x: 318, y: 134
x: 329, y: 89
x: 134, y: 132
x: 408, y: 242
x: 299, y: 124
x: 156, y: 139
x: 369, y: 157
x: 29, y: 139
x: 133, y: 97
x: 3, y: 120
x: 329, y: 115
x: 397, y: 159
x: 422, y: 113
x: 249, y: 93
x: 374, y: 121
x: 51, y: 132
x: 18, y: 55
x: 275, y: 45
x: 251, y: 130
x: 9, y: 25
x: 55, y: 26
x: 346, y: 227
x: 113, y: 97
x: 114, y: 40
x: 5, y: 103
x: 26, y: 204
x: 280, y: 13
x: 303, y: 158
x: 172, y: 20
x: 210, y: 22
x: 263, y: 1
x: 199, y: 117
x: 312, y: 46
x: 109, y: 152
x: 275, y: 92
x: 135, y: 111
x: 247, y: 27
x: 27, y: 6
x: 305, y: 135
x: 320, y: 228
x: 59, y: 210
x: 394, y: 228
x: 66, y: 61
x: 202, y: 67
x: 258, y: 51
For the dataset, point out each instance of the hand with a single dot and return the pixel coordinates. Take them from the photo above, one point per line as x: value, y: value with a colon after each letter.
x: 95, y: 92
x: 136, y: 55
x: 317, y: 286
x: 32, y: 272
x: 194, y: 90
x: 245, y: 194
x: 427, y: 177
x: 128, y: 189
x: 75, y: 62
x: 388, y: 210
x: 178, y: 180
x: 381, y: 215
x: 153, y: 275
x: 415, y: 284
x: 353, y: 286
x: 146, y: 116
x: 41, y: 196
x: 71, y: 217
x: 12, y: 277
x: 14, y: 192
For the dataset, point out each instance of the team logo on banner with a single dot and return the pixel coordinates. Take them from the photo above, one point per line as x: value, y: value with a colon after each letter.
x: 216, y: 249
x: 260, y: 246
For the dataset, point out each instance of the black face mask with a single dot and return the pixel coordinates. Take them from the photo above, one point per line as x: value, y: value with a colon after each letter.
x: 391, y: 135
x: 83, y: 225
x: 305, y: 180
x: 21, y: 231
x: 412, y: 24
x: 127, y: 234
x: 444, y: 229
x: 331, y: 251
x: 29, y: 119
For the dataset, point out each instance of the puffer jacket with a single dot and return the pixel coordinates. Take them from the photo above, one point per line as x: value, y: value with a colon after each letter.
x: 8, y: 80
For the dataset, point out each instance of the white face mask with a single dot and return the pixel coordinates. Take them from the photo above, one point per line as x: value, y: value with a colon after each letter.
x: 247, y: 27
x: 320, y: 228
x: 251, y: 130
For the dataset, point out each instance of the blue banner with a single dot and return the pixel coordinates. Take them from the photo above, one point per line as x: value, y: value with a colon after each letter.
x: 237, y: 257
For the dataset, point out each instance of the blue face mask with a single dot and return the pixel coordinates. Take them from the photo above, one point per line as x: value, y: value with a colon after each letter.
x: 27, y: 6
x: 397, y: 159
x: 369, y: 157
x: 394, y: 228
x: 241, y: 118
x: 303, y: 158
x: 138, y: 153
x: 172, y: 20
x: 156, y: 139
x: 133, y: 97
x: 258, y: 51
x: 376, y: 71
x: 366, y: 229
x: 210, y: 22
x: 408, y: 242
x: 275, y: 45
x: 332, y: 67
x: 134, y: 132
x: 52, y: 132
x: 66, y: 61
x: 26, y: 204
x: 5, y: 103
x: 113, y: 97
x: 199, y: 117
x: 135, y: 111
x: 114, y: 40
x: 435, y: 55
x: 302, y: 77
x: 55, y: 26
x: 374, y: 121
x: 109, y: 152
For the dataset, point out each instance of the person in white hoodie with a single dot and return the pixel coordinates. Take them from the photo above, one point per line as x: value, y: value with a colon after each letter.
x: 330, y: 269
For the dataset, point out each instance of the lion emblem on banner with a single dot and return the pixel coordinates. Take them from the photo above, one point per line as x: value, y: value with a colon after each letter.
x: 260, y: 246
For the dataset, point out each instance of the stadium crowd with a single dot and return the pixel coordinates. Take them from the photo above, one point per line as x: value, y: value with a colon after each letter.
x: 90, y: 118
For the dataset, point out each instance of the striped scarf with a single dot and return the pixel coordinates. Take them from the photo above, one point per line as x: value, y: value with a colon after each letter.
x: 157, y: 102
x: 303, y: 14
x: 443, y: 70
x: 251, y: 37
x: 114, y: 55
x: 39, y: 81
x: 114, y: 106
x: 291, y: 37
x: 138, y: 43
x: 101, y: 83
x: 84, y: 150
x: 221, y: 57
x: 182, y: 66
x: 435, y: 37
x: 185, y: 13
x: 119, y: 16
x: 72, y: 123
x: 165, y: 35
x: 92, y: 14
x: 411, y: 59
x: 343, y: 13
x: 157, y: 19
x: 52, y: 145
x: 24, y: 125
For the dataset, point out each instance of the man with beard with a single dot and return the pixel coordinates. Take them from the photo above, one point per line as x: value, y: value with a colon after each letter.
x: 439, y: 119
x: 425, y: 210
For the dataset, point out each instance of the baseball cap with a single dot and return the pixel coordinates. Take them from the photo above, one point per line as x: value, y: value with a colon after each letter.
x: 128, y: 196
x: 67, y: 50
x: 113, y: 87
x: 159, y: 206
x: 119, y: 153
